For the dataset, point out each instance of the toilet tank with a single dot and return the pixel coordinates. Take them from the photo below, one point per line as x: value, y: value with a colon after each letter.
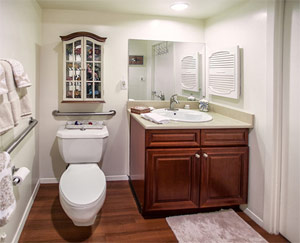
x: 82, y: 146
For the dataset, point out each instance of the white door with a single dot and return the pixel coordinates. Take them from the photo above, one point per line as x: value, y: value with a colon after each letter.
x: 290, y: 186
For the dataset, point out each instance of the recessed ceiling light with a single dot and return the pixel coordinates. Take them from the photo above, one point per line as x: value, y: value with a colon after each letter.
x: 179, y: 6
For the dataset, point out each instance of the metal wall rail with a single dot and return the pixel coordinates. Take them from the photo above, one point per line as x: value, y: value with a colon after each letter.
x: 14, y: 144
x: 109, y: 113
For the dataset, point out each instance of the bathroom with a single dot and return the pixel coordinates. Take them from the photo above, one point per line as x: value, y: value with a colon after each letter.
x: 31, y: 33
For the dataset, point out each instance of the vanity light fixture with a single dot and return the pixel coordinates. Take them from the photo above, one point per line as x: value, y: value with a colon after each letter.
x: 179, y: 6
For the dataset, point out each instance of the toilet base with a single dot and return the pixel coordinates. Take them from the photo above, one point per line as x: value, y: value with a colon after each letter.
x: 82, y: 216
x: 85, y: 223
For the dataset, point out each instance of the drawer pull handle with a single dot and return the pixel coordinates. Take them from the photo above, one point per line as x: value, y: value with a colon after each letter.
x: 197, y: 156
x: 205, y: 155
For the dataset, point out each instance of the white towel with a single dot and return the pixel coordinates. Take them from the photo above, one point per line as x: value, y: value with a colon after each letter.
x: 13, y: 96
x: 6, y: 118
x: 156, y: 118
x: 18, y: 98
x: 3, y: 86
x: 7, y: 197
x: 20, y: 76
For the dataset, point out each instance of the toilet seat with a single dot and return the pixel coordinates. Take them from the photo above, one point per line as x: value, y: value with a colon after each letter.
x: 82, y: 185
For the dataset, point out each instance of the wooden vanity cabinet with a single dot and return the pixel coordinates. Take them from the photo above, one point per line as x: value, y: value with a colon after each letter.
x: 172, y: 181
x: 224, y: 176
x: 224, y: 167
x: 184, y: 170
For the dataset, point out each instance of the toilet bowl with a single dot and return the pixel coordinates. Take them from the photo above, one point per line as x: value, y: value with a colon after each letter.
x: 82, y: 186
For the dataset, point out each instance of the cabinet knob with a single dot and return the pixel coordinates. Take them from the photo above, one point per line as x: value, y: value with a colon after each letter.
x: 205, y: 155
x: 197, y: 156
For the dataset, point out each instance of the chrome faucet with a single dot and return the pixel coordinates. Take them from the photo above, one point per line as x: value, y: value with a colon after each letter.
x: 173, y: 100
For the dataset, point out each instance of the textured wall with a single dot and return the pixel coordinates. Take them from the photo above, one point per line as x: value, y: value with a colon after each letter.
x: 20, y: 24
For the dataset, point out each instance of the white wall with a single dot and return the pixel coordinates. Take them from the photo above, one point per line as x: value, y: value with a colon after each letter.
x: 245, y: 25
x: 118, y: 29
x: 290, y: 192
x: 20, y: 25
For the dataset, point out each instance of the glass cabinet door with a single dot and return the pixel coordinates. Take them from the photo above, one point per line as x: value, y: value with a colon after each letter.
x: 83, y: 65
x: 93, y: 56
x: 73, y: 52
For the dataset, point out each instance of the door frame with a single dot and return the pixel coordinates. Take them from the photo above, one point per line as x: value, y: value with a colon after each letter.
x: 274, y: 101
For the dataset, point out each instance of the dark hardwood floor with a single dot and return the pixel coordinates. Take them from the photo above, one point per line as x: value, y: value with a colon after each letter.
x: 118, y: 221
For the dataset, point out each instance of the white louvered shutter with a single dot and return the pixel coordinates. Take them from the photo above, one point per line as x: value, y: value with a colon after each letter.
x: 190, y: 73
x: 224, y: 73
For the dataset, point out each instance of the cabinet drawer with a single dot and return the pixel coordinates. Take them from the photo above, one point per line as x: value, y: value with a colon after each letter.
x: 224, y: 137
x: 172, y: 138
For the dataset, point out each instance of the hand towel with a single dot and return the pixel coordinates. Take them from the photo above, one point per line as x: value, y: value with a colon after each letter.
x: 25, y: 103
x: 156, y: 118
x: 6, y: 118
x: 3, y: 86
x: 13, y: 96
x: 20, y: 76
x: 7, y: 197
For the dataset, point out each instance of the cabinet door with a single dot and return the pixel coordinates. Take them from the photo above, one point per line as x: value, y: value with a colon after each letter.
x: 93, y: 53
x: 172, y: 179
x: 224, y: 176
x: 72, y: 79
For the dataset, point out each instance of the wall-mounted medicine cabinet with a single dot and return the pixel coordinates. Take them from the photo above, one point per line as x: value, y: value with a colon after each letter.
x: 82, y: 67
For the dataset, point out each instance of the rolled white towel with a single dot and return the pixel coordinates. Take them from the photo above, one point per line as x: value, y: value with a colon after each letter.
x: 156, y: 118
x: 7, y: 197
x: 20, y: 76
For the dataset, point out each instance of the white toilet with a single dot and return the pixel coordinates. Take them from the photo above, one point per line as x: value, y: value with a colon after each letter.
x: 82, y: 187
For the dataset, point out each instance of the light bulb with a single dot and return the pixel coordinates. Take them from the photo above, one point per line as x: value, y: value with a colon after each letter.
x: 179, y: 6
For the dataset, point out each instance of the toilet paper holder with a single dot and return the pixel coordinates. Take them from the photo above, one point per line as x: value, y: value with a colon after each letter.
x: 15, y: 181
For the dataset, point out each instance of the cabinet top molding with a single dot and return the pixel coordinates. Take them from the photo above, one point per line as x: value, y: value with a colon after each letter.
x: 82, y: 33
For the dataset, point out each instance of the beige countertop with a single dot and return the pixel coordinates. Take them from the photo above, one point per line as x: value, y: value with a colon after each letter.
x: 218, y: 121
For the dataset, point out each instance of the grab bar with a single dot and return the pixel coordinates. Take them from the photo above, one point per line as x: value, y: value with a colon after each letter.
x: 109, y: 113
x: 15, y: 143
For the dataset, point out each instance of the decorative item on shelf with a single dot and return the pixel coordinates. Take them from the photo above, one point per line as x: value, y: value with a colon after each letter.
x: 84, y: 124
x: 140, y: 109
x: 203, y: 105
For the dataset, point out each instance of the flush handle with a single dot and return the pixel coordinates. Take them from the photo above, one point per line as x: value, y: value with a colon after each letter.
x: 205, y: 155
x: 197, y: 156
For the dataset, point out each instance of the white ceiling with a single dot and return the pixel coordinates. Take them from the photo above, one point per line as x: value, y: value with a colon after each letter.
x: 199, y: 9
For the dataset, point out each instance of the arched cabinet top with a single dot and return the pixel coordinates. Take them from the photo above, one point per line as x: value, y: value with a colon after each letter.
x: 81, y: 34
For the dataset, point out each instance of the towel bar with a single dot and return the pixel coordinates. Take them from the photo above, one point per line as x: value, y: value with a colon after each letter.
x: 14, y: 144
x: 109, y: 113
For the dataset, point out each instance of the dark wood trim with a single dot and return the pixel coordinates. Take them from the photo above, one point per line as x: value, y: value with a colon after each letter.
x: 82, y: 33
x: 224, y: 137
x: 83, y: 101
x: 173, y: 138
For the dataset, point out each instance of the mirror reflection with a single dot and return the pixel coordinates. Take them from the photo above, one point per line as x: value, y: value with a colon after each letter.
x: 159, y: 69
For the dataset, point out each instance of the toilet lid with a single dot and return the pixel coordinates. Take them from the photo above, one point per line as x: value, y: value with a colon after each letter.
x: 82, y: 184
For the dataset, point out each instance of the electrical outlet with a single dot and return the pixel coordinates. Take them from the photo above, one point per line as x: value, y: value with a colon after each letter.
x: 123, y: 84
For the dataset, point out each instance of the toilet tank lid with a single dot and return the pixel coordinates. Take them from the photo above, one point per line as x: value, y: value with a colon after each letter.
x: 77, y: 133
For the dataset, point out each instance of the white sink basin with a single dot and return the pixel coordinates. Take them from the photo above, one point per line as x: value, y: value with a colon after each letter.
x: 184, y: 115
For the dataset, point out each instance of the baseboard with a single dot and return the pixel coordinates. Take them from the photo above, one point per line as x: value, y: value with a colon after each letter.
x: 49, y: 180
x: 117, y: 178
x: 26, y: 213
x: 254, y: 217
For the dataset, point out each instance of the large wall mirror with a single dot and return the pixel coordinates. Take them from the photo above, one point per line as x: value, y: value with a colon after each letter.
x: 159, y: 69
